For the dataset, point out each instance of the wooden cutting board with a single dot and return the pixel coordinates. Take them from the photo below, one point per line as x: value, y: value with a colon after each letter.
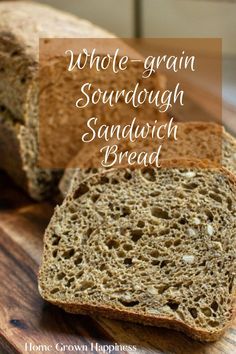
x: 26, y: 318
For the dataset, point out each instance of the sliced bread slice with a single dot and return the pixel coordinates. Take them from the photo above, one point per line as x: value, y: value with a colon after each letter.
x: 195, y: 139
x: 150, y: 246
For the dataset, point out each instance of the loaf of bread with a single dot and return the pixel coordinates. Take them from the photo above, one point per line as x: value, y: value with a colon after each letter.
x: 202, y: 140
x: 150, y: 246
x: 21, y: 26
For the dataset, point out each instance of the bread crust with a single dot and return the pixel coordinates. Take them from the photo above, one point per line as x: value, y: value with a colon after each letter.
x: 118, y: 314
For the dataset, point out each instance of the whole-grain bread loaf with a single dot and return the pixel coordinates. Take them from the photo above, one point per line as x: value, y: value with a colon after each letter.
x: 150, y: 246
x: 21, y: 26
x: 202, y: 140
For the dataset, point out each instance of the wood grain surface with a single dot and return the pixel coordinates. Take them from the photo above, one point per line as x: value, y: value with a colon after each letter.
x: 26, y: 318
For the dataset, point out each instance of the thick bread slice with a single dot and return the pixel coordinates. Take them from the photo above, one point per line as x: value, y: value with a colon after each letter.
x: 194, y: 139
x: 149, y: 246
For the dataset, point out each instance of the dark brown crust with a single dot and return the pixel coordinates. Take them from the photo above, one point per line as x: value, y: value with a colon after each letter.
x: 93, y: 310
x: 106, y: 311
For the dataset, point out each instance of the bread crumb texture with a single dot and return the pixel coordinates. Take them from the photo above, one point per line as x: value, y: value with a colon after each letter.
x: 151, y: 246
